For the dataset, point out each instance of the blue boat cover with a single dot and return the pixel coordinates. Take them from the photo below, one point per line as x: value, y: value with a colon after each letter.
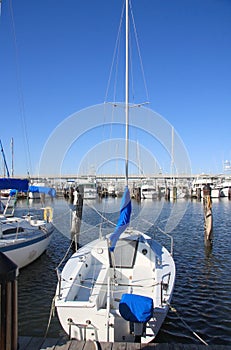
x: 16, y: 184
x: 124, y: 219
x: 136, y: 308
x: 13, y: 192
x: 41, y: 189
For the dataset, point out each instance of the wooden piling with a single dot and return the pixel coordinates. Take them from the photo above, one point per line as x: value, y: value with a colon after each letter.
x: 77, y: 217
x: 9, y: 304
x: 136, y: 193
x: 159, y: 192
x: 208, y: 216
x: 229, y: 193
x: 174, y: 192
x: 198, y: 193
x: 167, y: 193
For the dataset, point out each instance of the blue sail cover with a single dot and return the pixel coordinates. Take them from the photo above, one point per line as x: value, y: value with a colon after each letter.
x: 124, y: 219
x: 136, y: 308
x: 41, y: 189
x: 16, y: 184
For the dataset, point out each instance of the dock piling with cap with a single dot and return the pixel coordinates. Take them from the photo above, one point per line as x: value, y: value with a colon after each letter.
x: 9, y: 304
x: 208, y: 216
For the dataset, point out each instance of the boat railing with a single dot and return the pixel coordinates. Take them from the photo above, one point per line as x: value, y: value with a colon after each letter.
x: 82, y: 327
x: 59, y: 282
x: 164, y: 285
x: 8, y: 211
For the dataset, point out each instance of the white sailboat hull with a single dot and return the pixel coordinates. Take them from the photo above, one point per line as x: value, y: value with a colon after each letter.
x: 90, y: 289
x: 25, y: 248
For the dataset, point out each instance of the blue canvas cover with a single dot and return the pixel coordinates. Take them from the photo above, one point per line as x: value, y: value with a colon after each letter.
x: 41, y: 189
x: 20, y: 185
x: 13, y: 192
x: 136, y: 308
x: 124, y: 219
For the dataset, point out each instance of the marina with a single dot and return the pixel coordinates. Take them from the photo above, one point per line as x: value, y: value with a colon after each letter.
x: 122, y: 261
x: 202, y: 291
x: 185, y: 185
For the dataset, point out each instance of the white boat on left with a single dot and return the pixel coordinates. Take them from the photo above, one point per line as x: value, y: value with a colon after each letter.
x: 24, y: 239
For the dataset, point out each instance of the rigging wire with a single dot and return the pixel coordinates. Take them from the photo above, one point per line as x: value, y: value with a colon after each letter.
x: 186, y: 325
x: 101, y: 215
x: 139, y: 52
x: 20, y: 94
x: 115, y: 57
x: 115, y: 63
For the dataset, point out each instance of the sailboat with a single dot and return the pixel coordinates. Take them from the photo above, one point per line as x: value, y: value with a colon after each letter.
x: 23, y: 239
x: 117, y: 288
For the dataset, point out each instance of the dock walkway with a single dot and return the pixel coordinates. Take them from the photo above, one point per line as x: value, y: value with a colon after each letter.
x: 31, y: 343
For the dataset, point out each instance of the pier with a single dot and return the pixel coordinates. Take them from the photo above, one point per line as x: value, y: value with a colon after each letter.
x: 31, y: 343
x: 173, y: 186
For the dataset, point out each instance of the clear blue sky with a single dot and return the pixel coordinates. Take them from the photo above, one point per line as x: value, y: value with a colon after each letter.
x: 56, y: 56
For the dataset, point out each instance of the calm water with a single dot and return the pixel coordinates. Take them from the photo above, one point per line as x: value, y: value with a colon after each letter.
x: 202, y: 294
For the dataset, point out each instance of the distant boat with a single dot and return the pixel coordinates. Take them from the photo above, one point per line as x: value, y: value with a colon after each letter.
x: 204, y: 180
x: 24, y: 239
x: 89, y: 191
x: 111, y: 190
x: 225, y: 187
x: 148, y: 191
x: 116, y: 288
x: 178, y: 192
x: 40, y: 188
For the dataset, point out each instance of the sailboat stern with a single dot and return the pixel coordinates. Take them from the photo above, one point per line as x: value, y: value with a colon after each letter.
x: 138, y: 310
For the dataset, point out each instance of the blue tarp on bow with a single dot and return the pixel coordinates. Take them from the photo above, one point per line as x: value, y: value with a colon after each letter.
x: 41, y: 189
x: 124, y: 219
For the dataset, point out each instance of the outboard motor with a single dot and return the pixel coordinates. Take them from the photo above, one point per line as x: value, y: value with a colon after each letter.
x: 138, y: 310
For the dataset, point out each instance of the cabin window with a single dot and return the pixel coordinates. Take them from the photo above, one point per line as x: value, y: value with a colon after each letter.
x: 125, y: 253
x: 13, y: 230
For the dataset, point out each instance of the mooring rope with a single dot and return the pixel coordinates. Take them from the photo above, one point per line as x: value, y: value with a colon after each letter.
x: 71, y: 244
x: 186, y: 325
x: 52, y: 310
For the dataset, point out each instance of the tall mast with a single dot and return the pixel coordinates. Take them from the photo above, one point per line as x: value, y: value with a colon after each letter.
x: 12, y: 156
x: 127, y: 92
x: 172, y: 155
x: 4, y: 159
